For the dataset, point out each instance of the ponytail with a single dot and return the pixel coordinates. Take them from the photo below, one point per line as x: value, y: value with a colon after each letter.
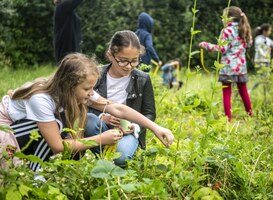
x: 260, y: 29
x: 244, y: 29
x: 237, y: 15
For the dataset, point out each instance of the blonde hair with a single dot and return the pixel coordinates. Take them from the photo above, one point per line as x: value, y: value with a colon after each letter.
x: 71, y: 72
x: 237, y: 15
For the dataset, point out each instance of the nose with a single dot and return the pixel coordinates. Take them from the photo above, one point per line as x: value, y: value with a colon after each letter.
x: 129, y: 66
x: 91, y: 93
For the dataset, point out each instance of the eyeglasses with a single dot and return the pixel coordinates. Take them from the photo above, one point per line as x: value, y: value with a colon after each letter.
x: 123, y: 63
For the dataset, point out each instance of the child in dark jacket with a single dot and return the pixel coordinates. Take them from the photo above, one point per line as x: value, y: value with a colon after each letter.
x: 145, y: 24
x: 67, y: 28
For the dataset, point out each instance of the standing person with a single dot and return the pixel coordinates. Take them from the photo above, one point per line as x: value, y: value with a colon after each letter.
x: 237, y: 34
x: 68, y: 91
x: 263, y: 45
x: 144, y: 33
x: 121, y: 82
x: 67, y: 28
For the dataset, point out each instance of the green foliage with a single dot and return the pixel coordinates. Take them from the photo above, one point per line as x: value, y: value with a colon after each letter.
x: 26, y: 27
x: 211, y: 158
x: 26, y: 33
x: 233, y: 159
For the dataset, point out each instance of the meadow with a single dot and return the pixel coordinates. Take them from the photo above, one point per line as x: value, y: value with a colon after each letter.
x: 210, y: 158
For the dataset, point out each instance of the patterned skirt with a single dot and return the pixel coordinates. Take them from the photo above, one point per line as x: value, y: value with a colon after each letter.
x: 233, y: 78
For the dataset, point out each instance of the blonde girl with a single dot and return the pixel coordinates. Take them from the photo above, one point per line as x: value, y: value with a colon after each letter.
x: 68, y: 91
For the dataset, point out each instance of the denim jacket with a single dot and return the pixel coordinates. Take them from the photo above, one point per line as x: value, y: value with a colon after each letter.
x: 140, y: 96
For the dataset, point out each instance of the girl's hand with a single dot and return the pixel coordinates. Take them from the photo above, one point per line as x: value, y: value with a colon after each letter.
x: 203, y: 45
x: 111, y: 120
x: 131, y: 128
x: 164, y: 135
x: 111, y: 136
x: 159, y: 63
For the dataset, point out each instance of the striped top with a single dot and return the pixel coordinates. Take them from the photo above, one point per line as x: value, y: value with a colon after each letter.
x: 22, y: 131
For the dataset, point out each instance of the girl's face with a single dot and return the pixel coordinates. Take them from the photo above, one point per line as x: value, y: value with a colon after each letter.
x: 268, y: 32
x: 85, y: 89
x: 124, y: 61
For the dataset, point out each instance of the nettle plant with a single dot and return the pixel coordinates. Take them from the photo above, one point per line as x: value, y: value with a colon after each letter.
x: 210, y: 158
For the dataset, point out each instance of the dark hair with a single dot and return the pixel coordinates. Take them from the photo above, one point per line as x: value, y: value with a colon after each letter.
x: 260, y: 29
x: 237, y: 15
x: 123, y: 39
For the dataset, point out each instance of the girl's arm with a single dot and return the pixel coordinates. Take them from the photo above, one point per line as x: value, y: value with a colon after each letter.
x: 150, y: 48
x: 225, y: 37
x: 51, y: 134
x: 125, y: 112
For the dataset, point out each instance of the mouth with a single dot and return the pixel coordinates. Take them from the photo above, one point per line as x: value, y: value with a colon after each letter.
x: 126, y: 70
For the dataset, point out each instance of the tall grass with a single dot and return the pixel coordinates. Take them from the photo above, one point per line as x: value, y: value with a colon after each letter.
x: 11, y: 79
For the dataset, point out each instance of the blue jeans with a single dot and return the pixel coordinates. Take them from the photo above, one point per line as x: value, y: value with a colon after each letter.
x: 127, y: 145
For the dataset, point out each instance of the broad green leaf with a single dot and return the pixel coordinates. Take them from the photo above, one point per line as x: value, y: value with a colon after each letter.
x: 162, y: 167
x: 187, y: 108
x: 103, y: 169
x: 24, y: 190
x: 98, y: 192
x: 88, y: 142
x: 218, y: 65
x: 196, y: 102
x: 13, y: 195
x: 58, y: 195
x: 202, y: 192
x: 31, y: 158
x: 129, y: 187
x: 117, y: 171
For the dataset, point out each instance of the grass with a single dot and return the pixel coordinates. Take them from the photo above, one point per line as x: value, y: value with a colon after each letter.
x: 234, y: 159
x: 11, y: 79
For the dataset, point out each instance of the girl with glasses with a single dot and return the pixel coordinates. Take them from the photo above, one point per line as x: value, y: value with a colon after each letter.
x: 48, y: 104
x: 121, y: 82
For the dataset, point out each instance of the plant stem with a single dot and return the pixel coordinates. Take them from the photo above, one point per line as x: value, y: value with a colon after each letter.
x: 108, y: 190
x: 122, y: 189
x: 190, y: 48
x: 252, y: 174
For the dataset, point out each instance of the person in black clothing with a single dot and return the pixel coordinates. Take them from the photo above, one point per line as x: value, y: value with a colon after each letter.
x: 144, y: 33
x: 67, y: 28
x: 121, y: 82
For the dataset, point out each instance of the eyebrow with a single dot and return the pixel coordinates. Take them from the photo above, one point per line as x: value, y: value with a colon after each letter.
x: 128, y: 58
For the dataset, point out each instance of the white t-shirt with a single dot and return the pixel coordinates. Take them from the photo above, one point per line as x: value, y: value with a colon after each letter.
x: 116, y: 88
x: 39, y: 107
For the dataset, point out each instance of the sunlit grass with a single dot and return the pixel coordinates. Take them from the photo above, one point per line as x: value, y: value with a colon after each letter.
x: 11, y: 79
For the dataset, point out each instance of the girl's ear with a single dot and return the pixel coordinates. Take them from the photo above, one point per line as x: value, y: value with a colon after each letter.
x: 109, y: 55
